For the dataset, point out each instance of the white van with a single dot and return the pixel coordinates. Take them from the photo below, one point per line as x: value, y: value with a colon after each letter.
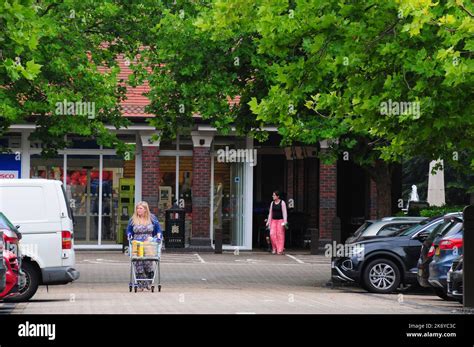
x: 39, y: 207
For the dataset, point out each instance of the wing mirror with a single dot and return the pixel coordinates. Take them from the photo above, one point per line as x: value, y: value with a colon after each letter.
x: 422, y: 237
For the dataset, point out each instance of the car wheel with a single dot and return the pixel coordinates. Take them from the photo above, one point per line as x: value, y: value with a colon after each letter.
x: 381, y: 276
x: 31, y: 283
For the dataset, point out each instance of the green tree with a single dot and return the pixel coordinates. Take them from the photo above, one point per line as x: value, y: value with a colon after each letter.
x: 333, y: 65
x: 51, y: 52
x: 190, y: 75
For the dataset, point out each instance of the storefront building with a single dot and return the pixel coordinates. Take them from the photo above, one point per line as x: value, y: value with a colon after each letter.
x: 224, y: 183
x: 102, y: 187
x: 227, y: 194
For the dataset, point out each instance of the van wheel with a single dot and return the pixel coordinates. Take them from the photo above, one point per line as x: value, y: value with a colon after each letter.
x: 381, y: 276
x: 31, y: 283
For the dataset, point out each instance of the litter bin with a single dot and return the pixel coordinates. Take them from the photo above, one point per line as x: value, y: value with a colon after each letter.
x: 174, y: 227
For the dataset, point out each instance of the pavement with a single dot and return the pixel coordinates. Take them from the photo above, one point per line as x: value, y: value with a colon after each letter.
x: 207, y: 283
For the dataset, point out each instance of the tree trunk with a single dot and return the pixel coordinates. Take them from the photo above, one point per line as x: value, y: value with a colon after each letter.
x: 381, y: 173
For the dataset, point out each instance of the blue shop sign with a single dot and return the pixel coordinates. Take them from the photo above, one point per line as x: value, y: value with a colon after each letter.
x: 10, y: 166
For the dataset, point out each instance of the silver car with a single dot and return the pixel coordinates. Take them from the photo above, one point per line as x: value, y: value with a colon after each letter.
x: 387, y: 226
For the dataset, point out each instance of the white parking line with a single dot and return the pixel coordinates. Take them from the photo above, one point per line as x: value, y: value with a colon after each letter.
x: 200, y: 258
x: 295, y: 259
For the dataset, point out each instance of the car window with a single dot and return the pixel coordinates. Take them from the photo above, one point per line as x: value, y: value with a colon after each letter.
x: 454, y: 230
x: 432, y: 223
x: 440, y: 230
x: 432, y: 227
x: 410, y: 230
x: 392, y: 229
x: 362, y: 228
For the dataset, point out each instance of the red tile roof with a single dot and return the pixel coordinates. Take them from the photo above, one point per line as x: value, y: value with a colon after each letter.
x: 134, y: 104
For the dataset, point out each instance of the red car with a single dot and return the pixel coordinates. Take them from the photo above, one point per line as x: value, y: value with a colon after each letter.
x: 11, y: 277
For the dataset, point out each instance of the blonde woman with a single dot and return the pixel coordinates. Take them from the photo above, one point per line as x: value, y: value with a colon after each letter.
x: 141, y: 226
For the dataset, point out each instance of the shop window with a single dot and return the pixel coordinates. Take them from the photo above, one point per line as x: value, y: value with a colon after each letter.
x: 119, y: 197
x: 48, y: 168
x: 114, y: 206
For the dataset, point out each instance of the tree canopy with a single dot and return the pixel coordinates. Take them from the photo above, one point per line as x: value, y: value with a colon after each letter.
x: 52, y: 53
x: 387, y: 79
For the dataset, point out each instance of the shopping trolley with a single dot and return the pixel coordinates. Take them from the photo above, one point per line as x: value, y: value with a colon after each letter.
x: 145, y: 251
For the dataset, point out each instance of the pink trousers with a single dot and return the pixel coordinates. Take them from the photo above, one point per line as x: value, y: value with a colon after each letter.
x: 277, y: 235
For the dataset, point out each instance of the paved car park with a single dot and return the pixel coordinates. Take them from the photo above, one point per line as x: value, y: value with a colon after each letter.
x: 245, y: 283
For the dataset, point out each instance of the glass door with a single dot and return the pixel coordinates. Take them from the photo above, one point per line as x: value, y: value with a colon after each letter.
x: 83, y: 195
x: 237, y: 203
x: 228, y: 217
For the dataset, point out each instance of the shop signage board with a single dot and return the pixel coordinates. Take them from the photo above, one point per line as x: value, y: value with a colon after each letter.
x: 10, y: 166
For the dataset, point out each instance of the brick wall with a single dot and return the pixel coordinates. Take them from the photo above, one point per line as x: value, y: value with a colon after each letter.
x: 201, y: 191
x: 151, y: 177
x: 327, y: 199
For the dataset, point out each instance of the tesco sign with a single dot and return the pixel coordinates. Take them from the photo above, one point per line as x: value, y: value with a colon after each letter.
x: 8, y: 174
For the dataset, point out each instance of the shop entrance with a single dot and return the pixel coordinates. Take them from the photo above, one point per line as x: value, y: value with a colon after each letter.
x: 237, y: 204
x: 229, y: 180
x: 83, y: 193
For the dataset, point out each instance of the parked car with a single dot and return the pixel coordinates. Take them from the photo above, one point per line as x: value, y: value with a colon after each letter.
x: 385, y: 262
x: 455, y: 280
x: 12, y: 275
x: 446, y: 250
x: 428, y: 250
x: 415, y: 218
x: 11, y: 258
x: 40, y: 208
x: 387, y: 226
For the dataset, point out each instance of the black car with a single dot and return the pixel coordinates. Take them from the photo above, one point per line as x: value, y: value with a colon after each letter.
x: 380, y: 265
x: 455, y: 280
x: 450, y: 222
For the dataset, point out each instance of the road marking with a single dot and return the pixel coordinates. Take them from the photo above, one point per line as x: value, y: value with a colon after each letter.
x: 295, y: 259
x: 314, y: 259
x: 200, y: 258
x: 7, y: 308
x: 248, y: 261
x: 104, y: 262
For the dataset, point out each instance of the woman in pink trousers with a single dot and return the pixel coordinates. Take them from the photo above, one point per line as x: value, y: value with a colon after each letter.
x: 277, y: 219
